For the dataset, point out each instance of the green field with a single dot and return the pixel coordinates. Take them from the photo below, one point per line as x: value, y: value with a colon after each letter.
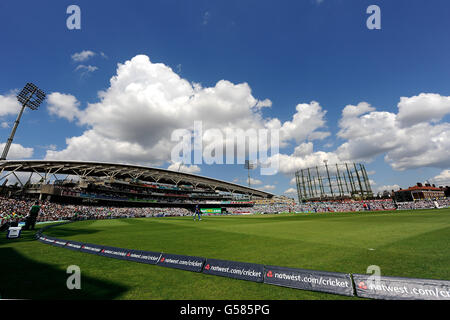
x: 407, y: 244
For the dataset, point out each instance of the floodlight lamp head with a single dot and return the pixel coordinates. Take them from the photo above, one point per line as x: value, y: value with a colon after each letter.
x: 31, y: 96
x: 249, y: 165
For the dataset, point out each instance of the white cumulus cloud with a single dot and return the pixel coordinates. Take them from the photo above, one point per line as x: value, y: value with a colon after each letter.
x: 63, y: 105
x: 146, y: 101
x: 179, y: 167
x: 442, y: 178
x: 268, y: 187
x: 83, y: 55
x: 86, y: 68
x: 134, y: 118
x: 411, y: 138
x: 425, y: 107
x: 291, y: 191
x: 9, y: 104
x: 388, y: 188
x: 17, y: 151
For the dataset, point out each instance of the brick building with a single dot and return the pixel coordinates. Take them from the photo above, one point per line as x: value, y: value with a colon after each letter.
x: 420, y: 192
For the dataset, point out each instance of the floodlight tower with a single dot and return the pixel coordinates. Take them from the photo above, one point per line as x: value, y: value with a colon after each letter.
x: 249, y: 166
x: 31, y: 97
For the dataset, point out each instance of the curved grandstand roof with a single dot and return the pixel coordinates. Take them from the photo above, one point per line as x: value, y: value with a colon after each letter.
x: 45, y: 168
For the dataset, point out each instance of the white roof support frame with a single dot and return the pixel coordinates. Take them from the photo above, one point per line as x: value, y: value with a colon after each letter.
x: 44, y: 168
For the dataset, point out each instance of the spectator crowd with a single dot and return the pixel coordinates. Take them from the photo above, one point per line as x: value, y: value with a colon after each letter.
x: 342, y: 206
x: 16, y: 210
x: 423, y: 204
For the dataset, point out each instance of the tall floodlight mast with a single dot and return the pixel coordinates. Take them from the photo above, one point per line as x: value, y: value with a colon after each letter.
x: 249, y: 166
x: 31, y: 97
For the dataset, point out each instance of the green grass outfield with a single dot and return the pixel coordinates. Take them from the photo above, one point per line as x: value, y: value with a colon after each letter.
x: 406, y: 243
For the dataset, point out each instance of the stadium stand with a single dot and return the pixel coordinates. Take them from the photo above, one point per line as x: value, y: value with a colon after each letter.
x: 113, y: 184
x: 423, y: 204
x: 15, y: 210
x: 92, y: 190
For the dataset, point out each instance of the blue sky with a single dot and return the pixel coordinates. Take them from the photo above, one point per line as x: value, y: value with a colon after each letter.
x: 290, y: 52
